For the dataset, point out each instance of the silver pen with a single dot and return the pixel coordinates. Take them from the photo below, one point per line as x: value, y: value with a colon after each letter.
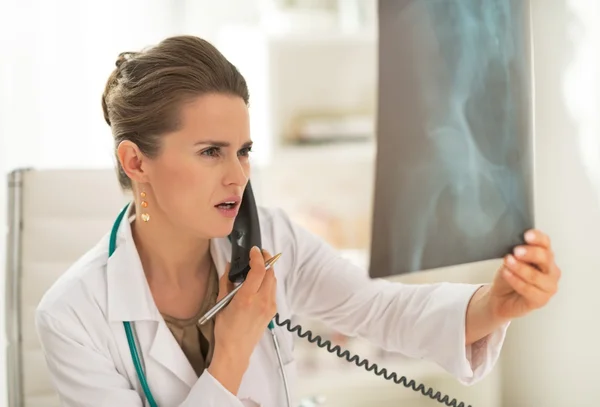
x: 221, y: 304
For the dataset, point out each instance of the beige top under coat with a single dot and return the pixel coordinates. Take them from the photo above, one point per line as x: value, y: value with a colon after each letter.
x: 197, y: 341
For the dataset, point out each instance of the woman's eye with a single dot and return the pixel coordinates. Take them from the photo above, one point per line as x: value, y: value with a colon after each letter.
x: 211, y: 152
x: 245, y: 151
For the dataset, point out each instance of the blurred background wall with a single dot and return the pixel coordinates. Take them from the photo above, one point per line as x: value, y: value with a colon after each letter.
x: 312, y: 68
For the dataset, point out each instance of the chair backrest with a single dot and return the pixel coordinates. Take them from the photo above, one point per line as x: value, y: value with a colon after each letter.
x: 55, y: 216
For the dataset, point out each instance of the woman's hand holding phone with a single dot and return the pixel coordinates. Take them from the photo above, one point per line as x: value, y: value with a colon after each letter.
x: 240, y: 326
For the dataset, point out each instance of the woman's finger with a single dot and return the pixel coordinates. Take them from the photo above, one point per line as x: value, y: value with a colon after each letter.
x: 543, y: 281
x: 530, y: 293
x: 540, y: 257
x: 269, y: 283
x: 256, y: 274
x: 537, y: 238
x: 266, y: 254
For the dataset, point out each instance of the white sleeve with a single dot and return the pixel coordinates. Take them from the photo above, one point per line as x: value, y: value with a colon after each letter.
x: 420, y: 321
x: 82, y: 376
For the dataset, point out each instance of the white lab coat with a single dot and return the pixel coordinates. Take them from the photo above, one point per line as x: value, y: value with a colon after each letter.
x: 79, y: 322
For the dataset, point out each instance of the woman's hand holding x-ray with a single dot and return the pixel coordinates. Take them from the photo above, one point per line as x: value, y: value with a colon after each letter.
x: 241, y: 324
x: 527, y: 280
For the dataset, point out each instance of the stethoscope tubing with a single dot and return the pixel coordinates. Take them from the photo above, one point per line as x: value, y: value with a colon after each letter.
x: 131, y: 340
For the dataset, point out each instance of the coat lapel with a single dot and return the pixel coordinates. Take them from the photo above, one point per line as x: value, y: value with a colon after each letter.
x: 166, y: 351
x: 130, y: 299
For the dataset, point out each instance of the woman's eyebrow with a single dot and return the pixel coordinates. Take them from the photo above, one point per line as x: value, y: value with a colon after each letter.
x: 221, y: 143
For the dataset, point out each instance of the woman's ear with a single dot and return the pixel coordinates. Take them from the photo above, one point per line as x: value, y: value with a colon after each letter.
x: 132, y: 161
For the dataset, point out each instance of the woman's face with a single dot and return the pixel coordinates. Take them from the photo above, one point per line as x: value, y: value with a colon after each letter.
x: 197, y: 180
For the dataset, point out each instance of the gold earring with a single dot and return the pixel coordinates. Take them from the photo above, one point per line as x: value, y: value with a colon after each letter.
x: 145, y: 216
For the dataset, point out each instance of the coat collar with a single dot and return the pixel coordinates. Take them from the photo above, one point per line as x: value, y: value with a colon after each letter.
x: 130, y: 299
x: 129, y: 296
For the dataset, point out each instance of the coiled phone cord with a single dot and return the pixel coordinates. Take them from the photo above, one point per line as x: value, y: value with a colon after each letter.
x: 345, y: 354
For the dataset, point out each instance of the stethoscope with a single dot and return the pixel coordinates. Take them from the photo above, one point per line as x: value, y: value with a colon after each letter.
x: 132, y: 340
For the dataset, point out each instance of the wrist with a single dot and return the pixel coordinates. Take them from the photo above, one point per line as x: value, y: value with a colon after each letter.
x: 489, y: 308
x: 482, y: 317
x: 228, y: 368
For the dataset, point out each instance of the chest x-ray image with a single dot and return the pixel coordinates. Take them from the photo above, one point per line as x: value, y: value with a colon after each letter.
x: 454, y: 141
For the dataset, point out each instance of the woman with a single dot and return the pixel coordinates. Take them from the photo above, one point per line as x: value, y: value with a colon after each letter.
x: 178, y: 113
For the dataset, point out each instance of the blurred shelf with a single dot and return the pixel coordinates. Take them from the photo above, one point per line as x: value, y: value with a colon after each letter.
x: 347, y: 152
x: 310, y: 35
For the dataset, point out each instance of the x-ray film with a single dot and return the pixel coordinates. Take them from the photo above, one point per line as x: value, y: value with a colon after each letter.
x: 454, y: 137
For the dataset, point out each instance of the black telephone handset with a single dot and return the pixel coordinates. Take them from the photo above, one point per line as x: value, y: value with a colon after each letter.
x: 245, y: 235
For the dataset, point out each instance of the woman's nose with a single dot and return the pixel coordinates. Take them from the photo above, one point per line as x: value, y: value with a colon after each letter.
x: 236, y: 173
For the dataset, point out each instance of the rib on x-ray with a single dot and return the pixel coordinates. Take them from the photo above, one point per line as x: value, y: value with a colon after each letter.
x: 454, y: 145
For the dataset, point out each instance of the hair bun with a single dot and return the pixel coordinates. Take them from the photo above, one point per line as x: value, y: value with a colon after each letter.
x: 124, y: 56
